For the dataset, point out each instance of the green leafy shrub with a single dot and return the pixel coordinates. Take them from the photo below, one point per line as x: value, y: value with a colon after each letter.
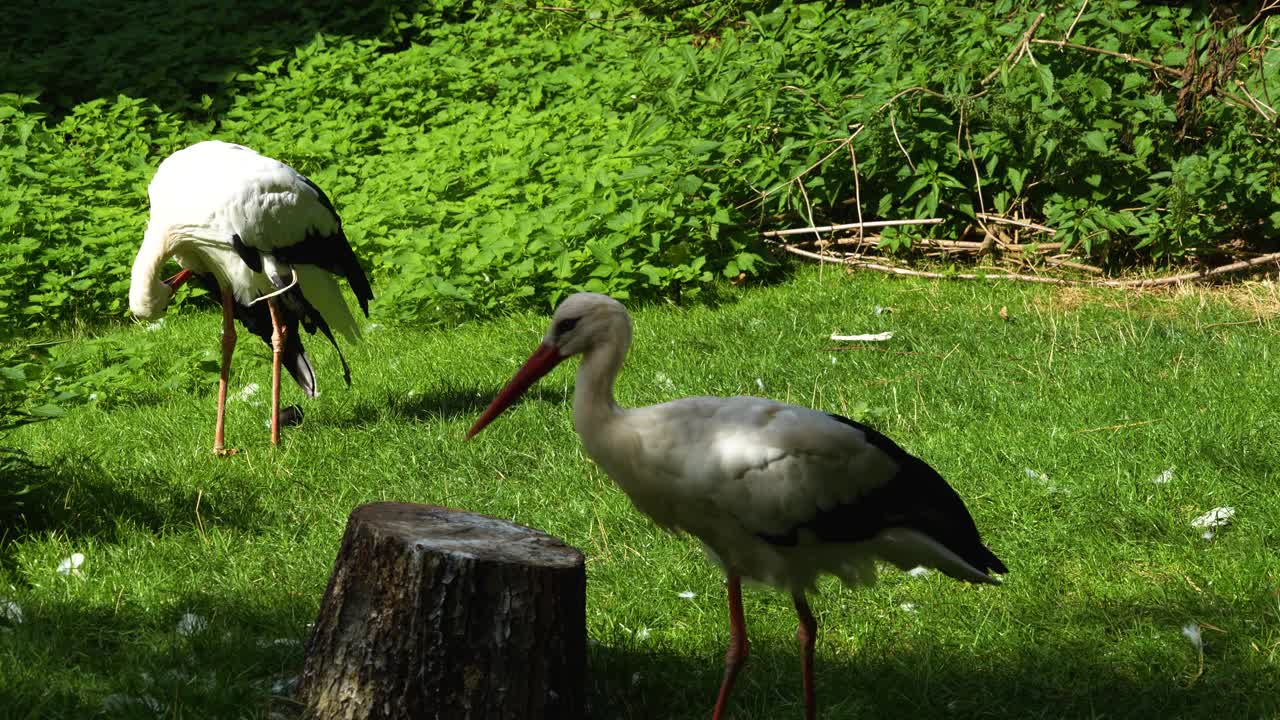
x: 486, y: 157
x: 72, y: 206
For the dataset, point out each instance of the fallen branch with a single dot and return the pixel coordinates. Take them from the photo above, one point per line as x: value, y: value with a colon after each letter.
x: 1172, y: 72
x: 1058, y: 262
x: 1130, y: 284
x: 1022, y: 48
x: 1199, y: 274
x: 875, y: 240
x: 991, y: 217
x: 949, y: 245
x: 869, y: 265
x: 852, y: 226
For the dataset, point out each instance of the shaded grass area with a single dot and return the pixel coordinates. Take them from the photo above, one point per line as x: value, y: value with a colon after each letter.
x: 1096, y: 393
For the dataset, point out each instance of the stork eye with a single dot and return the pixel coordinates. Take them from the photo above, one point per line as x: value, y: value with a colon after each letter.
x: 565, y: 326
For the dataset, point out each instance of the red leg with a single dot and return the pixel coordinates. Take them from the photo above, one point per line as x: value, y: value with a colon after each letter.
x: 739, y: 648
x: 807, y: 632
x: 278, y: 331
x: 228, y: 347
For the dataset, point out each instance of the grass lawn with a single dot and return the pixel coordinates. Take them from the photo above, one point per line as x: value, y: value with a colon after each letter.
x: 1056, y: 425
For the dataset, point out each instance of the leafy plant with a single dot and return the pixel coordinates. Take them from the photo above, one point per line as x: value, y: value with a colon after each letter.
x: 487, y: 157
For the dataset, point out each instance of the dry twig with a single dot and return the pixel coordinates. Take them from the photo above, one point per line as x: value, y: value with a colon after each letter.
x: 1269, y: 258
x: 1022, y: 48
x: 1058, y: 262
x: 857, y: 189
x: 804, y: 172
x: 894, y: 127
x: 1072, y: 27
x: 948, y: 245
x: 1254, y: 321
x: 1165, y: 69
x: 852, y: 226
x: 990, y: 217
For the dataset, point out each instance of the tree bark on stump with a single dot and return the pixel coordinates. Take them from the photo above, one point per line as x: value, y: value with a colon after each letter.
x: 449, y: 615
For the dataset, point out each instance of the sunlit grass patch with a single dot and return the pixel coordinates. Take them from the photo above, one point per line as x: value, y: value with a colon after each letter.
x: 1087, y: 437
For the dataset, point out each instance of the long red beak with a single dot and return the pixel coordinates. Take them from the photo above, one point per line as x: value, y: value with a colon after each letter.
x: 540, y: 363
x: 178, y: 280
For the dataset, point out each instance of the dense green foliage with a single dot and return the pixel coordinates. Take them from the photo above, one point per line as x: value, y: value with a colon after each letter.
x: 1097, y: 393
x: 491, y: 156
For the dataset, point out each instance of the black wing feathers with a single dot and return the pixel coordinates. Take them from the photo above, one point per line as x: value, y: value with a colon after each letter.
x: 916, y: 498
x: 331, y: 252
x: 324, y: 199
x: 249, y: 256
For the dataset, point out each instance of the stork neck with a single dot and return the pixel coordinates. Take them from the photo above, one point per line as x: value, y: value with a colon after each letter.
x: 148, y: 296
x: 593, y: 403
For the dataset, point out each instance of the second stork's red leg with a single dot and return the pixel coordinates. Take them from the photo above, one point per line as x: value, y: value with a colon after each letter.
x: 807, y: 633
x: 228, y: 347
x: 739, y: 647
x: 278, y: 331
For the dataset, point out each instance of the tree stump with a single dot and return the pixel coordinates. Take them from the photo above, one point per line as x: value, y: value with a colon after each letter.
x: 444, y: 614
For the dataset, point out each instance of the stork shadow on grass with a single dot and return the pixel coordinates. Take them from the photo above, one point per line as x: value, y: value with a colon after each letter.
x: 442, y: 403
x: 1078, y: 678
x: 74, y: 496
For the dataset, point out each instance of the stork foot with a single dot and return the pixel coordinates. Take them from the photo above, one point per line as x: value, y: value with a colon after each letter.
x: 290, y: 416
x: 226, y: 452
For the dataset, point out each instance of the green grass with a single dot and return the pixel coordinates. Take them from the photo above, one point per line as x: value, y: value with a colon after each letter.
x: 1100, y: 391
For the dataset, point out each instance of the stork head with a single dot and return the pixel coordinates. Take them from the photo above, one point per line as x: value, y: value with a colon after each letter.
x: 149, y: 296
x: 583, y: 322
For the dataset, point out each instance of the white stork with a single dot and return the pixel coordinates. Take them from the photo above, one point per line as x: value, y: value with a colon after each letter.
x: 778, y: 494
x: 250, y: 228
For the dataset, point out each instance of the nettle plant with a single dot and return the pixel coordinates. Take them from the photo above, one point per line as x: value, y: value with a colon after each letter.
x: 72, y: 207
x: 1118, y: 139
x: 491, y: 157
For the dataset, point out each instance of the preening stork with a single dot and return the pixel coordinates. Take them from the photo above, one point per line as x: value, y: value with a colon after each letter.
x: 778, y: 494
x: 265, y: 239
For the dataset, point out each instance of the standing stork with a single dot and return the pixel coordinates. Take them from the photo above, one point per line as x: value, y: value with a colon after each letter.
x: 777, y: 493
x: 265, y: 239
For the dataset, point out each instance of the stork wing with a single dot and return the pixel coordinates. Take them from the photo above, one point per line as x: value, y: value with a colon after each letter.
x: 275, y: 208
x: 770, y: 465
x: 789, y: 475
x: 290, y: 218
